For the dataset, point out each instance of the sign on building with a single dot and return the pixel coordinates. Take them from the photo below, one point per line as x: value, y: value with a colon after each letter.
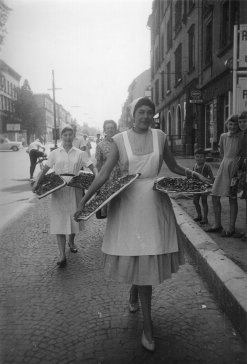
x: 13, y: 127
x: 195, y: 96
x: 242, y: 94
x: 243, y: 45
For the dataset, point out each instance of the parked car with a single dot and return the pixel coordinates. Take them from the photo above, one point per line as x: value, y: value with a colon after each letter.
x: 6, y: 144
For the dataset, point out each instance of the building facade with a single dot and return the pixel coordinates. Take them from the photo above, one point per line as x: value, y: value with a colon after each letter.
x: 138, y: 88
x: 46, y: 107
x: 10, y: 126
x: 191, y: 42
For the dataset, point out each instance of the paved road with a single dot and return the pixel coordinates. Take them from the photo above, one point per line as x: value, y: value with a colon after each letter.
x: 14, y: 186
x: 15, y: 191
x: 76, y: 316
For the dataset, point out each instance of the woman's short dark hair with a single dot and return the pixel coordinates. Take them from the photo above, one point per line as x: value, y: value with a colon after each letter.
x: 109, y: 122
x: 243, y: 116
x: 144, y: 101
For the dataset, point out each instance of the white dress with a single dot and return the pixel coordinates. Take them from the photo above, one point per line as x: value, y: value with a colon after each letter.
x: 142, y: 241
x: 65, y: 202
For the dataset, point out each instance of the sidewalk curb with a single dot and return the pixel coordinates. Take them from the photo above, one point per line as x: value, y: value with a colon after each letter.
x: 225, y: 278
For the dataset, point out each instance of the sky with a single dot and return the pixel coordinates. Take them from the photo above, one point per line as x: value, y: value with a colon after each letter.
x: 95, y: 47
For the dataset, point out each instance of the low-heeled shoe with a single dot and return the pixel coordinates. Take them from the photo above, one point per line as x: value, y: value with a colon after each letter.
x: 73, y: 250
x: 133, y: 307
x: 146, y: 344
x: 62, y: 263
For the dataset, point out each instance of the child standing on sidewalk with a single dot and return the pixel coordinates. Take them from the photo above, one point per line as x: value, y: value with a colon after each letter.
x: 230, y: 148
x: 204, y: 169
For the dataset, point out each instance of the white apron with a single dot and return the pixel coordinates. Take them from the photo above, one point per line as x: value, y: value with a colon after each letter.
x: 140, y: 220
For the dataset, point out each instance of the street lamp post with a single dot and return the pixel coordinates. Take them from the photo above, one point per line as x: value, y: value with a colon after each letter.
x: 54, y: 109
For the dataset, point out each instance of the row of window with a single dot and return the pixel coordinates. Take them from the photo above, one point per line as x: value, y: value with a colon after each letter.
x: 6, y: 104
x: 228, y: 16
x: 8, y: 87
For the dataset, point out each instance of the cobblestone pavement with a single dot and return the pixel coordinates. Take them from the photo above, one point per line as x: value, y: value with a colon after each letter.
x: 234, y: 248
x: 74, y: 315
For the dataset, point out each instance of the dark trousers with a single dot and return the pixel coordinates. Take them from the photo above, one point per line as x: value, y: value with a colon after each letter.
x: 34, y: 155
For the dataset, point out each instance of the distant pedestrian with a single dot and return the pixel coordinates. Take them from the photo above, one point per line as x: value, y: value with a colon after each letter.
x: 102, y: 151
x: 103, y: 148
x: 66, y: 159
x: 98, y: 138
x: 203, y: 168
x: 85, y: 145
x: 35, y: 150
x: 230, y: 147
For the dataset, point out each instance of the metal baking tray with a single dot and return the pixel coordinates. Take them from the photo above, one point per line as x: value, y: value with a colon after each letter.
x: 135, y: 176
x: 156, y: 187
x: 89, y: 179
x: 63, y: 183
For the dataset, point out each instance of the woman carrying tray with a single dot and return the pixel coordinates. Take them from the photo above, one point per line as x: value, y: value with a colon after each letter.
x: 142, y: 242
x: 65, y: 160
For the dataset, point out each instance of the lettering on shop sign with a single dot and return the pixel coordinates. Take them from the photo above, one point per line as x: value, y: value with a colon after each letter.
x: 242, y: 94
x: 243, y: 46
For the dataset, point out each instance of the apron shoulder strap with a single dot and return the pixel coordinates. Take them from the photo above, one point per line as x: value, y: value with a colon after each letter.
x: 127, y: 144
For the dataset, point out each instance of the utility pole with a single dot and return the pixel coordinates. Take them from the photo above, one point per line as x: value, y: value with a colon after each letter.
x: 55, y: 136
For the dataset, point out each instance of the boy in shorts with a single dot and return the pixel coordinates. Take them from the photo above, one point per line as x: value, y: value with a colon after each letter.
x: 203, y: 168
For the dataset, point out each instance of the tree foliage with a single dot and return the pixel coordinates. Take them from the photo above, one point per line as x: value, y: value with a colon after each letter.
x: 86, y: 129
x: 4, y: 12
x: 26, y: 109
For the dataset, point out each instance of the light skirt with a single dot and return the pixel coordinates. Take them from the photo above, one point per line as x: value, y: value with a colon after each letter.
x: 64, y: 203
x: 143, y: 270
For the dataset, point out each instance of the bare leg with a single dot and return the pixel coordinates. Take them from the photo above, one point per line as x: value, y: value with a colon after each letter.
x: 133, y: 294
x: 205, y: 209
x: 196, y: 201
x: 145, y: 294
x: 61, y: 241
x: 71, y: 241
x: 217, y: 211
x: 233, y: 212
x: 133, y: 299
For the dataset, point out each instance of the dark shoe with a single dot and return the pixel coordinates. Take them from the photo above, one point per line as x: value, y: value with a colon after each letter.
x: 214, y: 229
x: 198, y: 218
x: 62, y: 263
x: 204, y: 222
x: 133, y: 307
x: 73, y: 250
x: 227, y: 234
